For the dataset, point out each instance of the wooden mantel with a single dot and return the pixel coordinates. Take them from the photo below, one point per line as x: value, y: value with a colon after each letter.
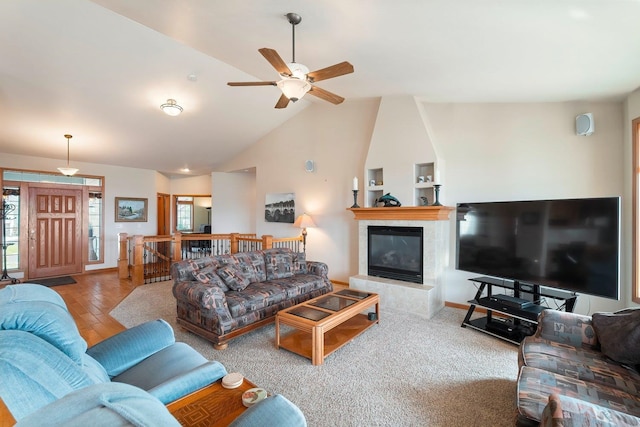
x: 415, y: 213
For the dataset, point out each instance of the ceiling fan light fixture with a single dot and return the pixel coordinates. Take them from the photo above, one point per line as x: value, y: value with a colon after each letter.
x: 67, y: 171
x: 293, y: 88
x: 171, y: 108
x: 298, y: 70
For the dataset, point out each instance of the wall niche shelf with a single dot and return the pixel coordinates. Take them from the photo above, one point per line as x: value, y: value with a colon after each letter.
x: 375, y: 190
x: 424, y: 176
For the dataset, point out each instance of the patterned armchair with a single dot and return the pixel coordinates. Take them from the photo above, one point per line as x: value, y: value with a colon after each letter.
x: 565, y: 378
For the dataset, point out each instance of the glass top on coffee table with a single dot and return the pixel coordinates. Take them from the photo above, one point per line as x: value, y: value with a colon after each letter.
x: 333, y: 302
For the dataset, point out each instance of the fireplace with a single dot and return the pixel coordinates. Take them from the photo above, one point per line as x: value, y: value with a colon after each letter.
x: 395, y: 253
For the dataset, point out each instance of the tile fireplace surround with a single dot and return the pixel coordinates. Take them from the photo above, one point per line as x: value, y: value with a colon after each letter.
x: 423, y: 300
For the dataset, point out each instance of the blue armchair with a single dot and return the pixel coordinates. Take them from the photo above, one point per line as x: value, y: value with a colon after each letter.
x: 43, y: 359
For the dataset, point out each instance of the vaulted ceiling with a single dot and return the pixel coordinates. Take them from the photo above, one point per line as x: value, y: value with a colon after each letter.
x: 99, y: 70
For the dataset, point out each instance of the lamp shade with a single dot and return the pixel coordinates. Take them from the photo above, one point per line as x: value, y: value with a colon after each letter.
x: 68, y: 171
x: 293, y: 88
x: 304, y: 221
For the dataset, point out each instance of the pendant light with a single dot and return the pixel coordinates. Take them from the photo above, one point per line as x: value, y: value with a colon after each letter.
x: 68, y: 171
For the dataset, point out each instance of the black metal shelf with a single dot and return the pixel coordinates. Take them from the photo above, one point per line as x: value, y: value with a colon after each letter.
x: 515, y: 322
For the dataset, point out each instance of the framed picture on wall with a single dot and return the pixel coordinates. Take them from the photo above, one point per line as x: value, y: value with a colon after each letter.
x: 280, y: 207
x: 130, y: 209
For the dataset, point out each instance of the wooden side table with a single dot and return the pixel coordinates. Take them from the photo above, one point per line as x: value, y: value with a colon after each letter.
x: 210, y: 406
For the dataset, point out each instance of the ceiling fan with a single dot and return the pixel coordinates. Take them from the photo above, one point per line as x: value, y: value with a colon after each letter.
x: 296, y: 79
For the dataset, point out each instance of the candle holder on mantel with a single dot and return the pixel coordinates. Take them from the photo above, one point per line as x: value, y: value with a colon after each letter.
x: 436, y: 192
x: 355, y: 199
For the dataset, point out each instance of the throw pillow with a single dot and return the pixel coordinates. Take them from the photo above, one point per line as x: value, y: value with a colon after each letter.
x: 208, y: 276
x: 300, y: 263
x: 233, y: 277
x: 619, y: 335
x: 252, y: 266
x: 279, y: 265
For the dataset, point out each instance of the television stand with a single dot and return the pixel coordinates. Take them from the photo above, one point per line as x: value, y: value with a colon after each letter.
x: 517, y: 307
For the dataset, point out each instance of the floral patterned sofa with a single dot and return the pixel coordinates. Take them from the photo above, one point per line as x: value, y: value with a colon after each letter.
x: 578, y: 370
x: 221, y: 297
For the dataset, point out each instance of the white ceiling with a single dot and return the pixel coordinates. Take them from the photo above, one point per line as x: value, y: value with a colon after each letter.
x: 100, y: 69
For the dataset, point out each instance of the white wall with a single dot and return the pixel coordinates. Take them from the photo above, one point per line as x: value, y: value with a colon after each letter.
x: 528, y: 151
x: 400, y: 140
x: 233, y: 202
x: 336, y: 138
x: 191, y: 185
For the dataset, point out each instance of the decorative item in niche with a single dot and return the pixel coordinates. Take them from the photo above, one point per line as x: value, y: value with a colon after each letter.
x: 130, y: 209
x: 424, y: 200
x: 280, y: 207
x: 388, y: 201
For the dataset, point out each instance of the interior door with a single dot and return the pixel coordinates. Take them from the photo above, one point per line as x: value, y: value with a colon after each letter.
x: 55, y: 231
x: 164, y: 213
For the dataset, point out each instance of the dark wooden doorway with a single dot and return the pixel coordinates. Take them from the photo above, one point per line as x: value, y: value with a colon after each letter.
x: 164, y: 214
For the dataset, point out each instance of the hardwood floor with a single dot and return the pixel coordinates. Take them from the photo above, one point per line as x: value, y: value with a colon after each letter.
x: 89, y: 301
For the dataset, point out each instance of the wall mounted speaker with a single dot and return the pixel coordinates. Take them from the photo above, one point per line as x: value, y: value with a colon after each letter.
x: 584, y: 124
x: 309, y: 166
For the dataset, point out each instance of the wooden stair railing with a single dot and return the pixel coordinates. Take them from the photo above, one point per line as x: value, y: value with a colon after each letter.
x: 133, y: 249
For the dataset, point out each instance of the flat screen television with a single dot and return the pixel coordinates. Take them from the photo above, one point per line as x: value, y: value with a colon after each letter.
x: 570, y: 244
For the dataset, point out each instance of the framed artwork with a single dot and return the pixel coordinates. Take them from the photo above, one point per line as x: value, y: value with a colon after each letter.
x: 130, y: 209
x: 280, y: 207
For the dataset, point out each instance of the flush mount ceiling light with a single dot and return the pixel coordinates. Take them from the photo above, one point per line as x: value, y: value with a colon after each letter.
x: 171, y: 108
x: 68, y: 171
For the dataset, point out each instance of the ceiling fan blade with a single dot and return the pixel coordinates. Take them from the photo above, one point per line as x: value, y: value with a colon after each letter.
x: 251, y: 83
x: 275, y: 60
x: 282, y: 102
x: 331, y: 72
x: 326, y: 95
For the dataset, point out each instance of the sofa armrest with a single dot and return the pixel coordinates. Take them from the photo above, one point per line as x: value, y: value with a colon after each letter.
x: 189, y: 382
x: 273, y: 411
x: 570, y: 411
x: 207, y: 297
x: 318, y: 268
x: 128, y: 348
x: 566, y: 328
x: 103, y: 405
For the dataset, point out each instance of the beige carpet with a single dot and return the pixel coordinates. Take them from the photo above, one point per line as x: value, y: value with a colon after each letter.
x: 407, y: 371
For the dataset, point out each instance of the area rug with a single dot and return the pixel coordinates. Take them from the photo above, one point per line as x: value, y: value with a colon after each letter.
x: 54, y: 281
x: 406, y: 371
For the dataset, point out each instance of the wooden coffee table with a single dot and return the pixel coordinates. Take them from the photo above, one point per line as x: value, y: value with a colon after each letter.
x: 210, y: 406
x: 326, y: 323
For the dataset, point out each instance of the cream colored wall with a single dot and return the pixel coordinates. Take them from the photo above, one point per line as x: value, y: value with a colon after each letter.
x: 233, y: 202
x: 119, y: 182
x: 200, y: 185
x: 336, y: 138
x: 400, y: 140
x: 528, y: 151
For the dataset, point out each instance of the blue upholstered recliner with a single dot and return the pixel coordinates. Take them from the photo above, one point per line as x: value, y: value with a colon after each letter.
x: 44, y: 360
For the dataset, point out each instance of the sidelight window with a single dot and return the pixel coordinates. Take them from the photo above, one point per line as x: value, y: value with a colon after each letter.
x: 11, y: 226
